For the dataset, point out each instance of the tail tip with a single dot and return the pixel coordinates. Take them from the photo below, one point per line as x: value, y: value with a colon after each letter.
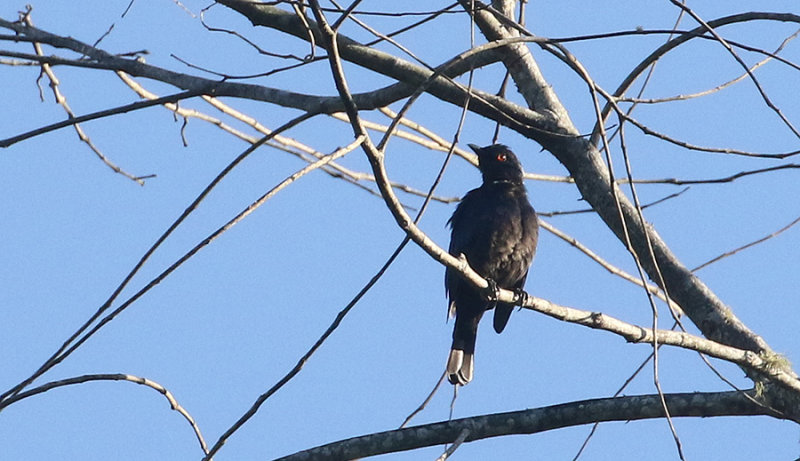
x: 459, y: 367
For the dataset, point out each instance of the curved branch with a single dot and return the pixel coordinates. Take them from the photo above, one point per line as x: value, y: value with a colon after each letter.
x: 677, y: 41
x: 536, y: 420
x: 711, y: 30
x: 173, y: 403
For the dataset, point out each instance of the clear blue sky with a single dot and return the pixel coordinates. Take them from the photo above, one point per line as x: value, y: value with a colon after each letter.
x: 235, y: 318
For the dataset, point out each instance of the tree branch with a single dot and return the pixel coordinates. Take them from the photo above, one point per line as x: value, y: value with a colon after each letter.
x: 767, y: 364
x: 581, y: 158
x: 534, y: 421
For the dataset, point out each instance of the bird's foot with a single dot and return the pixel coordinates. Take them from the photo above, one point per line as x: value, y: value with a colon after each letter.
x: 462, y: 261
x: 492, y: 292
x: 520, y: 297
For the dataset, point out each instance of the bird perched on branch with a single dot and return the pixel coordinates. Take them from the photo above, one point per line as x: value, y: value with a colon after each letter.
x: 496, y: 229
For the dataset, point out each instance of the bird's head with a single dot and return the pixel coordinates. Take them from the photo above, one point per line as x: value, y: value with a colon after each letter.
x: 498, y: 163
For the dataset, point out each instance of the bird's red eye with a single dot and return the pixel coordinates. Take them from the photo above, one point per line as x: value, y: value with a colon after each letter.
x: 501, y: 157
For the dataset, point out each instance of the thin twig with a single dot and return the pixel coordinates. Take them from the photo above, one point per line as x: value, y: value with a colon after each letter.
x: 73, y: 120
x: 454, y: 446
x: 617, y: 393
x: 424, y: 402
x: 683, y: 97
x: 746, y: 246
x: 62, y: 101
x: 591, y: 210
x: 602, y: 262
x: 724, y: 179
x: 727, y: 46
x: 173, y: 402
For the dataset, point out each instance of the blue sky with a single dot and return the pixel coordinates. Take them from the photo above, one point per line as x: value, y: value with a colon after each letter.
x: 235, y: 318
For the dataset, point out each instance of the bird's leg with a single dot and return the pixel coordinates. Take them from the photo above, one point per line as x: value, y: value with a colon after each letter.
x: 520, y: 297
x: 491, y: 293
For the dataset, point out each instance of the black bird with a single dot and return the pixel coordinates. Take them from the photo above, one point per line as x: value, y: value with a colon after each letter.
x: 496, y: 229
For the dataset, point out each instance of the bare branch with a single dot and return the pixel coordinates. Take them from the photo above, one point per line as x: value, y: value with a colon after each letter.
x: 456, y: 443
x: 62, y: 101
x: 744, y: 247
x: 173, y: 402
x: 677, y: 41
x: 725, y: 179
x: 99, y: 114
x: 629, y: 408
x: 424, y: 402
x: 602, y: 262
x: 741, y: 62
x: 683, y: 97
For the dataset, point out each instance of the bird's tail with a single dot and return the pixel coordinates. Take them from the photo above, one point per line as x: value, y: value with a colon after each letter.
x: 461, y: 361
x: 459, y: 367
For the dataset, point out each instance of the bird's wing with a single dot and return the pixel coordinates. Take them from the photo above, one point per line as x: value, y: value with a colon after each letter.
x: 526, y: 250
x: 465, y: 230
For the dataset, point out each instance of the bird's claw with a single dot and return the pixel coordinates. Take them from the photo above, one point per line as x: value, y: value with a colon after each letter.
x: 462, y: 261
x: 520, y: 297
x: 492, y: 292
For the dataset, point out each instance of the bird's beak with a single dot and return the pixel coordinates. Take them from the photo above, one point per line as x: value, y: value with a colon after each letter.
x: 476, y: 148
